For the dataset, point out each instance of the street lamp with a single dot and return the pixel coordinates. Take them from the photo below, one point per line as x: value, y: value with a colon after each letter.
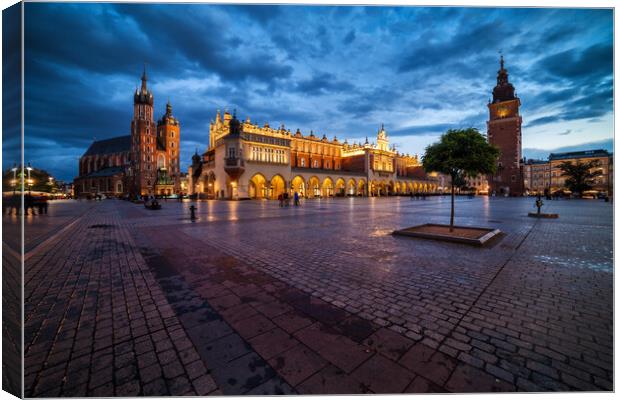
x: 14, y: 181
x: 29, y: 168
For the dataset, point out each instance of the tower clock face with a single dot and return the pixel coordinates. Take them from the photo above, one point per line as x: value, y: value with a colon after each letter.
x: 503, y: 111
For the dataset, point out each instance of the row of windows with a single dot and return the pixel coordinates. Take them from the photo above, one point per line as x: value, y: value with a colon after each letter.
x: 315, y: 163
x: 383, y: 166
x: 315, y: 148
x: 268, y: 155
x: 266, y: 139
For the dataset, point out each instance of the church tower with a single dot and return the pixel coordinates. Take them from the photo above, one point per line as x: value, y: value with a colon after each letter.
x: 168, y: 147
x: 504, y: 132
x: 143, y: 142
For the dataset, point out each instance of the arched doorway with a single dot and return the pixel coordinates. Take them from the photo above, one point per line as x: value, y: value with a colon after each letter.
x: 278, y: 186
x: 351, y: 187
x: 361, y: 187
x: 327, y: 188
x: 210, y: 190
x: 314, y: 189
x: 298, y: 185
x: 256, y: 188
x: 340, y: 187
x: 397, y: 188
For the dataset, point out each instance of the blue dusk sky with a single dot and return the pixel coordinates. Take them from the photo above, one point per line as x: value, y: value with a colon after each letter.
x: 335, y: 70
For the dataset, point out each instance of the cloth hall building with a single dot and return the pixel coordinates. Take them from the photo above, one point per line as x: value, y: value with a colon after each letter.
x: 244, y: 160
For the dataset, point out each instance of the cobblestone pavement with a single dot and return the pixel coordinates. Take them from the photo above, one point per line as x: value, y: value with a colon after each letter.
x: 257, y: 299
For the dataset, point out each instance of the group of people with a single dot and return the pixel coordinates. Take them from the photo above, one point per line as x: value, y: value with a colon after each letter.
x: 417, y: 195
x: 284, y: 199
x: 33, y: 205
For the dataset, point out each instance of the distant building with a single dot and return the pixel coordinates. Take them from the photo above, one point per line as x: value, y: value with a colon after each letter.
x: 504, y: 131
x: 603, y: 183
x: 541, y: 175
x: 245, y: 160
x: 479, y: 183
x: 146, y: 162
x: 536, y: 176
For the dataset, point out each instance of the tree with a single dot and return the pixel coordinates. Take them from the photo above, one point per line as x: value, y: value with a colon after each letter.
x: 580, y: 176
x: 460, y: 153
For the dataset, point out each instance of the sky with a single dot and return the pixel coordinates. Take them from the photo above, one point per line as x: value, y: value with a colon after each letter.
x: 339, y: 71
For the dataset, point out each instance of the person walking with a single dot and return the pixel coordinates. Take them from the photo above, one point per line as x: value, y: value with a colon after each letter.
x: 281, y: 200
x: 296, y: 199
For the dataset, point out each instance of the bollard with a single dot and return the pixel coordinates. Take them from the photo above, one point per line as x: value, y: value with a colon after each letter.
x: 192, y: 210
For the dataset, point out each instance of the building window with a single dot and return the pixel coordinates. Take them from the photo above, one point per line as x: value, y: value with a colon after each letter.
x: 302, y: 162
x: 231, y: 152
x: 316, y: 163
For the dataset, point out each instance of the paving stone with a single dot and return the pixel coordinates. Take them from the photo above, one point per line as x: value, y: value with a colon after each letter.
x: 331, y: 380
x: 382, y: 375
x: 272, y: 343
x: 389, y: 343
x: 467, y: 379
x: 532, y: 305
x: 297, y: 364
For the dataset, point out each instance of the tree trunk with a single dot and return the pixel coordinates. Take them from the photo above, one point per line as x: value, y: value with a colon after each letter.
x: 452, y: 210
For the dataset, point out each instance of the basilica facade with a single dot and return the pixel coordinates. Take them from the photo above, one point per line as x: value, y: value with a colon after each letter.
x: 143, y: 163
x: 247, y: 161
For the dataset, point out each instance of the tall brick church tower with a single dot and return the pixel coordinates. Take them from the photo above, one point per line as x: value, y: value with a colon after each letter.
x: 143, y: 142
x: 504, y: 131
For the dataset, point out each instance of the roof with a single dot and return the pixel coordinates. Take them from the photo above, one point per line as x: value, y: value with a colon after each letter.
x: 109, y: 171
x: 579, y: 154
x: 534, y: 161
x: 109, y: 146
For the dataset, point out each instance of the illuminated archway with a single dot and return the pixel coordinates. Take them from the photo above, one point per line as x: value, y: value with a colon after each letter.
x: 327, y: 188
x: 314, y: 187
x: 340, y: 187
x: 277, y: 187
x: 397, y: 188
x: 256, y: 188
x: 351, y: 187
x: 361, y: 187
x: 298, y: 185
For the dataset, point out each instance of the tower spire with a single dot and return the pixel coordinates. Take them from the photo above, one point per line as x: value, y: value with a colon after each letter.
x: 144, y: 79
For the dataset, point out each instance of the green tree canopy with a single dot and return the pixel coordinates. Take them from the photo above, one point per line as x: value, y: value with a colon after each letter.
x: 580, y: 177
x: 460, y: 153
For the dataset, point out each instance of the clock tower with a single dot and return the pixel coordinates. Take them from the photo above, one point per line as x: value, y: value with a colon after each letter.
x: 504, y: 132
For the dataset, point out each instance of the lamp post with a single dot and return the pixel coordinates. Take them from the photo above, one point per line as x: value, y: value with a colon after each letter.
x: 29, y: 168
x: 14, y: 181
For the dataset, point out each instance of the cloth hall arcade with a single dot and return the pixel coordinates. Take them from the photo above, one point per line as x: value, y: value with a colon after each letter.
x: 245, y: 160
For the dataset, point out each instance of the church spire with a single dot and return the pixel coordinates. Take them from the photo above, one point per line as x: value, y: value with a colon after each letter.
x: 144, y: 79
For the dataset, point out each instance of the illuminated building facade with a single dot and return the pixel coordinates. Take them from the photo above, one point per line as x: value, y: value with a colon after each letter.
x: 245, y: 160
x: 547, y: 174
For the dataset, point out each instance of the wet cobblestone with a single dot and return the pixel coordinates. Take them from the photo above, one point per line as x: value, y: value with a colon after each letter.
x: 253, y: 298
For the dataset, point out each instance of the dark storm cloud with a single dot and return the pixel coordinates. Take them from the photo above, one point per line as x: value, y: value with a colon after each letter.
x: 323, y: 83
x: 462, y: 45
x: 594, y: 62
x: 335, y: 70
